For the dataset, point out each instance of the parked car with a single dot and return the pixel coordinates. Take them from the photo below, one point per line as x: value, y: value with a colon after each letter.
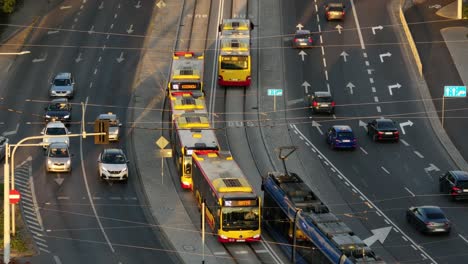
x: 112, y: 165
x: 302, y: 39
x: 455, y: 184
x: 55, y: 128
x: 335, y: 11
x: 62, y: 85
x: 383, y: 129
x: 340, y: 136
x: 58, y: 110
x: 321, y: 102
x: 58, y: 157
x: 114, y: 125
x: 428, y: 219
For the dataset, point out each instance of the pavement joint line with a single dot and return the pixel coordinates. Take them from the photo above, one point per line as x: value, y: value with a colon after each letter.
x: 30, y: 213
x: 371, y: 80
x: 363, y: 150
x: 404, y: 142
x: 408, y: 190
x: 320, y: 157
x: 384, y: 169
x: 418, y: 154
x: 378, y: 109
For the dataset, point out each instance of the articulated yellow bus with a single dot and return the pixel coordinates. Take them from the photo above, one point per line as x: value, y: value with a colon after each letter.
x: 191, y: 133
x: 186, y: 74
x: 232, y: 208
x: 234, y: 61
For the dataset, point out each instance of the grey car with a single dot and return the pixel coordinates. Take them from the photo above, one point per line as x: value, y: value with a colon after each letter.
x: 58, y: 157
x: 62, y: 85
x: 428, y: 219
x: 321, y: 102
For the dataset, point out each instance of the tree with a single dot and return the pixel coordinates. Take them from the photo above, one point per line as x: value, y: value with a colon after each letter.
x: 8, y: 6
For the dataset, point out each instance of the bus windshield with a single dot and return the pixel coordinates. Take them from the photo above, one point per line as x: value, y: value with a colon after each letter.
x: 240, y: 218
x: 234, y: 62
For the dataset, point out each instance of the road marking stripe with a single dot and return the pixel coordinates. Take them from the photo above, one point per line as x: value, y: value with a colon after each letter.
x: 376, y: 99
x: 261, y: 251
x: 378, y: 213
x: 241, y: 252
x: 316, y: 8
x: 45, y: 250
x: 371, y: 80
x: 418, y: 154
x: 394, y: 229
x: 367, y: 63
x: 40, y: 239
x: 362, y: 198
x: 462, y: 237
x: 404, y: 238
x: 363, y: 150
x: 424, y: 256
x: 384, y: 169
x: 301, y: 137
x: 323, y: 50
x: 373, y: 89
x: 332, y: 169
x: 339, y: 176
x: 57, y: 260
x: 386, y: 221
x: 321, y: 39
x: 41, y: 244
x: 319, y: 28
x: 63, y: 198
x: 378, y: 109
x: 318, y: 18
x: 219, y: 253
x: 346, y: 183
x: 408, y: 190
x: 354, y: 190
x: 404, y: 142
x: 115, y: 198
x: 326, y: 75
x: 324, y: 62
x: 414, y: 247
x: 364, y: 54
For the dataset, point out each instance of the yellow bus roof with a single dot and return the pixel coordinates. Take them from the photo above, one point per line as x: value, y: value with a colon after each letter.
x: 188, y: 120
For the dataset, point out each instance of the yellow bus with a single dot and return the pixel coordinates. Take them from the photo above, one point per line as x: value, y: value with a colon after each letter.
x: 232, y: 208
x: 234, y: 60
x: 191, y: 132
x: 186, y: 74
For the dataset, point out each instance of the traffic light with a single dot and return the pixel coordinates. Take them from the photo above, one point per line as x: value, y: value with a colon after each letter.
x: 101, y: 126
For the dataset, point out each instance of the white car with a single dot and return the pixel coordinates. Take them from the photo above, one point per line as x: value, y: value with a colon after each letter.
x: 114, y: 125
x: 58, y: 158
x: 112, y: 165
x: 55, y: 128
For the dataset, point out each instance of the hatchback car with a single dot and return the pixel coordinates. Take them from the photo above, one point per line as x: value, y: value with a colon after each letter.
x: 383, y: 129
x: 58, y: 129
x: 58, y: 110
x: 341, y: 137
x: 302, y: 39
x: 62, y: 85
x: 335, y: 11
x: 112, y: 165
x: 321, y: 102
x: 428, y: 219
x: 455, y: 184
x: 114, y: 125
x: 58, y: 157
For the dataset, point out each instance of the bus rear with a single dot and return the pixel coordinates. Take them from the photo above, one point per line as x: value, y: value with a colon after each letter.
x: 234, y: 62
x: 186, y: 74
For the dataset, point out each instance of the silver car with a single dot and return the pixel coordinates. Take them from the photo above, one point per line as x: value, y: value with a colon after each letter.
x: 62, y: 85
x: 58, y: 158
x: 58, y: 129
x: 112, y: 165
x: 114, y: 125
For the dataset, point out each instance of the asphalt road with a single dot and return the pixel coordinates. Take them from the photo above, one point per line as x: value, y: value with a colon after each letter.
x: 391, y: 176
x: 79, y: 212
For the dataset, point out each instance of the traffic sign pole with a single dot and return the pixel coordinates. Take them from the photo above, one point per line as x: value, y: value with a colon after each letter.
x: 451, y: 91
x: 443, y: 110
x: 6, y: 208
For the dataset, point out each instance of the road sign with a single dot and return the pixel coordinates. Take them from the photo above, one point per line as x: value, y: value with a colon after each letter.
x: 14, y: 196
x: 165, y: 153
x: 454, y: 91
x: 162, y: 142
x: 275, y: 92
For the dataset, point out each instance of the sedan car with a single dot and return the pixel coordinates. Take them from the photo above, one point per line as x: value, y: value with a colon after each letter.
x: 114, y: 125
x: 112, y: 165
x: 321, y: 102
x: 341, y: 137
x: 455, y: 184
x: 58, y: 110
x: 428, y: 219
x: 57, y: 129
x: 63, y: 85
x: 302, y: 39
x: 383, y: 129
x: 58, y: 157
x: 335, y: 11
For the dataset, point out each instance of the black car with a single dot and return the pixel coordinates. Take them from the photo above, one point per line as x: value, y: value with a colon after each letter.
x: 455, y: 184
x: 428, y: 219
x: 321, y: 102
x: 335, y: 11
x: 383, y: 129
x: 58, y: 110
x: 302, y: 39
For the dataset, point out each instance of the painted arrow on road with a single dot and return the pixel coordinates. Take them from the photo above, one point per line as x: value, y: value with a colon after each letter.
x: 393, y: 86
x: 302, y: 54
x: 59, y: 179
x: 13, y: 132
x: 344, y: 55
x: 388, y: 54
x: 130, y: 30
x: 339, y: 28
x: 379, y: 27
x: 40, y: 60
x: 363, y: 124
x: 402, y: 126
x: 350, y: 86
x: 431, y: 167
x: 379, y: 234
x: 101, y: 6
x: 306, y: 86
x: 299, y: 26
x: 121, y: 58
x: 28, y: 159
x: 91, y: 31
x: 138, y: 5
x: 317, y: 125
x: 79, y: 58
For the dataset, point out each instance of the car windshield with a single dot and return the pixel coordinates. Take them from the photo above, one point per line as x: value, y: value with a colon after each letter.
x: 302, y: 36
x: 56, y: 131
x: 335, y: 9
x: 386, y: 125
x: 113, y: 159
x: 463, y: 184
x: 323, y: 99
x: 435, y: 215
x: 58, y: 107
x: 62, y: 82
x: 58, y: 153
x: 240, y: 218
x: 345, y: 135
x: 234, y: 62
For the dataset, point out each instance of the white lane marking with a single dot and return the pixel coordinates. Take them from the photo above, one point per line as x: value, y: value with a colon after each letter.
x: 324, y: 62
x: 33, y: 193
x: 404, y: 142
x: 326, y: 75
x: 376, y: 99
x: 362, y: 198
x: 396, y: 230
x: 34, y: 227
x: 219, y: 253
x: 115, y: 15
x: 95, y: 71
x: 261, y: 251
x: 364, y: 54
x: 45, y: 250
x: 332, y: 169
x: 339, y: 176
x: 423, y: 256
x: 408, y: 190
x: 295, y: 101
x: 57, y: 260
x: 323, y: 50
x: 42, y: 244
x: 112, y: 26
x: 328, y: 87
x: 414, y: 247
x: 240, y: 252
x: 371, y: 80
x: 318, y: 18
x: 363, y: 150
x: 316, y: 8
x: 367, y: 63
x: 357, y: 25
x: 40, y: 239
x: 88, y: 191
x: 307, y: 144
x: 386, y: 221
x: 354, y: 190
x: 326, y: 163
x: 90, y: 84
x: 99, y: 59
x: 108, y: 36
x: 373, y: 89
x: 418, y: 154
x: 63, y: 198
x: 462, y: 237
x: 115, y: 198
x: 378, y: 109
x: 404, y: 238
x: 346, y: 183
x: 321, y: 39
x: 319, y: 28
x: 76, y: 20
x: 384, y: 169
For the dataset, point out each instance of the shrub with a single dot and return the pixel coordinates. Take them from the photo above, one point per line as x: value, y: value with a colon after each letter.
x: 8, y: 6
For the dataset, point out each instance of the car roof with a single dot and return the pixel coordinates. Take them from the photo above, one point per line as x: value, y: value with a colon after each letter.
x: 302, y: 31
x: 460, y: 175
x: 60, y: 100
x: 58, y: 145
x: 55, y: 124
x: 113, y: 151
x: 322, y: 94
x: 107, y: 116
x: 63, y: 75
x: 430, y: 209
x: 384, y: 120
x: 335, y: 4
x: 342, y: 128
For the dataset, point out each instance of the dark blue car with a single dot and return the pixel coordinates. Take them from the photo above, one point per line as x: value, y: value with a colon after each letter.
x: 341, y: 137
